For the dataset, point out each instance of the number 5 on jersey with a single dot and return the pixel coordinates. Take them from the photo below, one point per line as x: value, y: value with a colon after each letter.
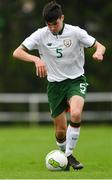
x: 59, y: 52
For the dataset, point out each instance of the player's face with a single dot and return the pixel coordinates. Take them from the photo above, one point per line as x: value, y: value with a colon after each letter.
x: 56, y: 26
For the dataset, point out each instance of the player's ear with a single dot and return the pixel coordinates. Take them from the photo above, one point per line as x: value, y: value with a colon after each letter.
x: 62, y: 17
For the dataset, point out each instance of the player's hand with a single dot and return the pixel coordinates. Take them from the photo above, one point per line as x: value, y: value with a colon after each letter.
x: 98, y: 57
x: 41, y: 70
x: 100, y: 51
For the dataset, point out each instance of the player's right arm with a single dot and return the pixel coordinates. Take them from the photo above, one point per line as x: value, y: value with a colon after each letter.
x: 21, y: 53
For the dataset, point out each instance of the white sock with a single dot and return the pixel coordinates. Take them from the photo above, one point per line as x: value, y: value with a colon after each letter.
x: 62, y: 146
x: 72, y: 136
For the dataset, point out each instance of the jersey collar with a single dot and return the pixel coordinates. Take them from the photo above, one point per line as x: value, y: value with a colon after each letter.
x: 61, y: 31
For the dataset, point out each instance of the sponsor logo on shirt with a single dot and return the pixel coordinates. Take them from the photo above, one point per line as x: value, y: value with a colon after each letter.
x: 49, y: 44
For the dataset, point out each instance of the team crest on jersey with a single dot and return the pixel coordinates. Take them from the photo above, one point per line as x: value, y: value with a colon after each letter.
x: 67, y: 42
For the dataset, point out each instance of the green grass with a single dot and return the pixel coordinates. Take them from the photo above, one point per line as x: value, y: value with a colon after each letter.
x: 23, y: 150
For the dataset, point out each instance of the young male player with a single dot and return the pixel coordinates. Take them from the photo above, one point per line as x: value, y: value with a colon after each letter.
x: 61, y: 47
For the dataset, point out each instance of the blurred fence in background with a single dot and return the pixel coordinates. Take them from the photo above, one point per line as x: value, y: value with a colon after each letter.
x: 34, y: 107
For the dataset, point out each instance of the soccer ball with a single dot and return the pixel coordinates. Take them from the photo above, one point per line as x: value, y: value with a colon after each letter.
x: 56, y: 160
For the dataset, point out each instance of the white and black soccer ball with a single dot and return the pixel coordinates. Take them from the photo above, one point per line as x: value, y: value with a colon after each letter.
x: 56, y: 160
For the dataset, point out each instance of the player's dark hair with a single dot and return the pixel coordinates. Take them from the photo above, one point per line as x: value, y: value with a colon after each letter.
x: 52, y: 11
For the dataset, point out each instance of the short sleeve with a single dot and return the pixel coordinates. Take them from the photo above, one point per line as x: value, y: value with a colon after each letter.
x: 85, y: 38
x: 32, y: 42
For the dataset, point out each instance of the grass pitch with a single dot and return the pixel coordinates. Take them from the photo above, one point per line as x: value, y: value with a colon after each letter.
x: 23, y: 151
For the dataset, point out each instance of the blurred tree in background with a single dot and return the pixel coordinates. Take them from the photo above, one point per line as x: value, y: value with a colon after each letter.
x: 19, y: 18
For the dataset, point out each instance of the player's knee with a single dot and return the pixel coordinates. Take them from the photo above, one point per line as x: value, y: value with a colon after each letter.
x: 76, y: 115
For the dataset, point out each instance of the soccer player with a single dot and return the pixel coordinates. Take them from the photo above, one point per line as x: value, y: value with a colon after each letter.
x: 61, y: 48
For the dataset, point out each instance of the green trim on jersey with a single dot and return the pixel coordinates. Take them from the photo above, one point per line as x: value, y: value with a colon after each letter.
x: 61, y: 31
x: 93, y: 44
x: 60, y: 92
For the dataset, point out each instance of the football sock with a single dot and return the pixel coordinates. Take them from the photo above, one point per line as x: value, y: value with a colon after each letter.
x: 72, y: 136
x: 62, y: 146
x: 61, y: 143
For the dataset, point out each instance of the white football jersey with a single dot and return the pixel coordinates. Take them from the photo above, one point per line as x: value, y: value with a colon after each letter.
x: 63, y: 54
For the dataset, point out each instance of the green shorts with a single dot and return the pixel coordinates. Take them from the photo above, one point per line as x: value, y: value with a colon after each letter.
x: 60, y: 92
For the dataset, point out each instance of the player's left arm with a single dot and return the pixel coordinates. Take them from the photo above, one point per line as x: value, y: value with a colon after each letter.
x: 99, y: 52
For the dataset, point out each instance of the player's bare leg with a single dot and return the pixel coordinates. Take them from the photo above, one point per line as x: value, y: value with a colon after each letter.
x: 76, y: 105
x: 60, y: 125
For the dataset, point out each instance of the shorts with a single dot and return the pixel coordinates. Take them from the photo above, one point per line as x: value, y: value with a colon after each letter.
x: 60, y: 92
